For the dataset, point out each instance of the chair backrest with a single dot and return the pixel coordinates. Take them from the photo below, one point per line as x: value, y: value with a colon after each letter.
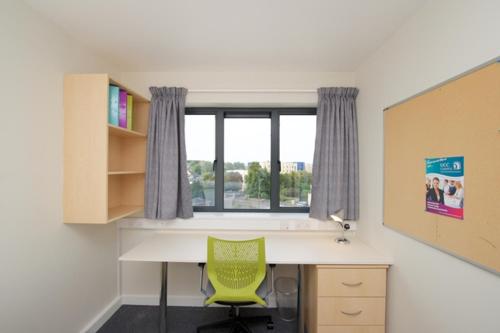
x: 236, y: 266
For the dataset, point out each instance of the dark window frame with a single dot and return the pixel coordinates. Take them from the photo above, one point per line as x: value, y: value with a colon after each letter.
x: 271, y: 113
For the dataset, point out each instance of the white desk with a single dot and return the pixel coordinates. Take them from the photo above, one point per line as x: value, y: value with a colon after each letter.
x: 298, y: 248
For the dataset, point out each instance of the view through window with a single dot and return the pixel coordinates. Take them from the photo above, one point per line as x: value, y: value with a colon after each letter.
x: 267, y: 160
x: 247, y: 148
x: 297, y: 135
x: 200, y: 152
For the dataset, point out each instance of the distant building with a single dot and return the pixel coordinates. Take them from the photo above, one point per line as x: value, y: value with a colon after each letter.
x: 266, y: 165
x: 288, y: 167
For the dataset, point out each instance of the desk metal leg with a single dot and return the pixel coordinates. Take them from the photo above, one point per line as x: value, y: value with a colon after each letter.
x: 163, y: 297
x: 300, y: 319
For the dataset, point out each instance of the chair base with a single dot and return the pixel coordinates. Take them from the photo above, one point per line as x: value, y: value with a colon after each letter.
x: 238, y: 324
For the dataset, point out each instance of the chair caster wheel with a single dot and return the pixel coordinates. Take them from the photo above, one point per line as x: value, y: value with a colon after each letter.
x: 270, y: 326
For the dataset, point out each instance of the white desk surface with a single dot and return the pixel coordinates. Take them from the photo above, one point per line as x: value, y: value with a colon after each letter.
x: 281, y: 248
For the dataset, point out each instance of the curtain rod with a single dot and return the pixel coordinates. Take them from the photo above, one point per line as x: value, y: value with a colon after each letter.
x: 302, y: 91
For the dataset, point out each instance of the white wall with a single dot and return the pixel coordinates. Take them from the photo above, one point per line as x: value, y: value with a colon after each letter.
x: 242, y: 81
x: 53, y: 277
x: 429, y: 291
x: 140, y: 282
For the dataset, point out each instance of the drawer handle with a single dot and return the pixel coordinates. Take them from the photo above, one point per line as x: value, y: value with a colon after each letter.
x: 352, y: 313
x: 352, y: 284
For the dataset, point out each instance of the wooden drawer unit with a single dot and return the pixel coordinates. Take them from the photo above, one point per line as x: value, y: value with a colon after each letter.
x: 345, y: 298
x: 351, y: 310
x: 351, y: 282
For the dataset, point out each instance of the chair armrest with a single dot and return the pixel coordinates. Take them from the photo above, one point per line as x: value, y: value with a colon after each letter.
x: 203, y: 286
x: 270, y: 284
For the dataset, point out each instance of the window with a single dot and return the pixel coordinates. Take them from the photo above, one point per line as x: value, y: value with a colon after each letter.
x: 200, y: 152
x: 247, y: 146
x: 297, y: 135
x: 250, y: 159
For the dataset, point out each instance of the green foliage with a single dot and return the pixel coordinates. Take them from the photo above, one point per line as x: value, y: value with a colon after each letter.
x: 233, y: 177
x: 208, y: 176
x: 234, y: 166
x: 198, y: 168
x: 233, y: 181
x: 257, y: 182
x: 197, y: 190
x: 202, y: 181
x: 293, y: 186
x: 296, y: 184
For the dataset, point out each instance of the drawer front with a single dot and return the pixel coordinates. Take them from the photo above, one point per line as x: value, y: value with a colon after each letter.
x: 370, y: 282
x: 351, y: 329
x: 351, y: 311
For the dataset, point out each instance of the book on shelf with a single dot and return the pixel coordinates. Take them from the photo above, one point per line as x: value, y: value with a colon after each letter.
x: 130, y: 101
x: 113, y: 107
x: 122, y: 116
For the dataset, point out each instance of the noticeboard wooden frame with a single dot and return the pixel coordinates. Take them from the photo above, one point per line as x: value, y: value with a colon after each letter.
x: 460, y: 117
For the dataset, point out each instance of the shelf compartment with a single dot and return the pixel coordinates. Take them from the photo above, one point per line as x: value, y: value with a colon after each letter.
x: 118, y: 173
x: 118, y: 212
x: 125, y: 195
x: 125, y: 153
x: 123, y: 132
x: 137, y: 97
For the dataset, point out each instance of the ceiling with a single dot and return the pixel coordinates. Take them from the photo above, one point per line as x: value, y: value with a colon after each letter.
x: 231, y: 35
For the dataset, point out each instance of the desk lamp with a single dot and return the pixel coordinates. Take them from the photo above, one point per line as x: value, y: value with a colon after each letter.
x: 338, y: 217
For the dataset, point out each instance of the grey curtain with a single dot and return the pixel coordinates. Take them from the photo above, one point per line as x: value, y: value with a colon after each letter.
x: 167, y: 190
x: 335, y: 183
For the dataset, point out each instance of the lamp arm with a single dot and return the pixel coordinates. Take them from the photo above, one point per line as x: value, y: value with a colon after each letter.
x: 341, y: 224
x: 343, y: 228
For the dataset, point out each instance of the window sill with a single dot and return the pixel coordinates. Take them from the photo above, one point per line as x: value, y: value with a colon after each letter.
x: 236, y: 221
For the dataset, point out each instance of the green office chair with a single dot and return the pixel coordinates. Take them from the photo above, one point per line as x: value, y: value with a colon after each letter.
x: 236, y: 271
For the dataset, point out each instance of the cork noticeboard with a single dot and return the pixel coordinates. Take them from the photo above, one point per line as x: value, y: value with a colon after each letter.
x: 457, y: 118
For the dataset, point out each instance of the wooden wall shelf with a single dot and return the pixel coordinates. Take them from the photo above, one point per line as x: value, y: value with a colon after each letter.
x: 118, y: 173
x: 118, y: 212
x: 104, y: 165
x: 123, y: 132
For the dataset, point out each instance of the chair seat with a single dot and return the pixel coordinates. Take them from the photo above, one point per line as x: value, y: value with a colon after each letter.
x: 261, y: 292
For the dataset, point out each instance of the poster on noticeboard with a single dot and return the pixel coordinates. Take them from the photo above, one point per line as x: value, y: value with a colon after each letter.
x: 445, y: 186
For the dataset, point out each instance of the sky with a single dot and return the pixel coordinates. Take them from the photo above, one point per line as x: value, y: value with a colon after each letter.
x: 248, y: 140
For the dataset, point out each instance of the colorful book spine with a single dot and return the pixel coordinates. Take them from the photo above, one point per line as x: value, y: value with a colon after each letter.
x: 122, y: 116
x: 130, y: 101
x: 114, y: 93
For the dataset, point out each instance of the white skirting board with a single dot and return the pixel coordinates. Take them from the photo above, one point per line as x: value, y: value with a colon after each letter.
x: 99, y: 320
x: 155, y: 300
x: 112, y: 307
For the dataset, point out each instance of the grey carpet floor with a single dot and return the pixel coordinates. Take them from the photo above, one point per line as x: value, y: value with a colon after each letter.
x: 144, y: 319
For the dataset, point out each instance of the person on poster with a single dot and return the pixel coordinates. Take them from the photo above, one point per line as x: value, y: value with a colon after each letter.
x: 459, y: 194
x: 452, y: 188
x: 446, y: 187
x: 435, y: 194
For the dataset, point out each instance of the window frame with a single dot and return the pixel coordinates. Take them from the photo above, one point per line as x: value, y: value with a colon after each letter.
x: 236, y: 112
